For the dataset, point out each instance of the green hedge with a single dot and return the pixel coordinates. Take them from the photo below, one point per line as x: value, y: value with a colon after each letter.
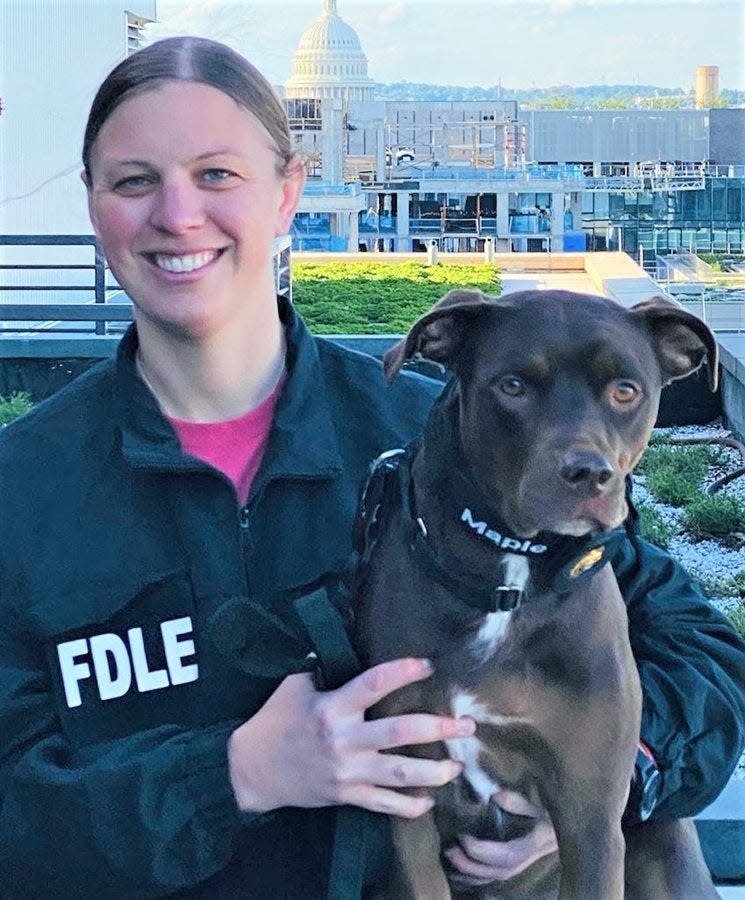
x: 675, y: 473
x: 379, y: 298
x: 652, y: 526
x: 14, y: 406
x: 718, y: 515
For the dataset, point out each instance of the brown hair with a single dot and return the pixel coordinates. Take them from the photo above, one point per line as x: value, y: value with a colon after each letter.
x: 191, y: 59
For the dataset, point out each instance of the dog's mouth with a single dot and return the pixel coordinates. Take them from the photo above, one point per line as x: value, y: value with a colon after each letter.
x: 599, y: 514
x: 572, y: 518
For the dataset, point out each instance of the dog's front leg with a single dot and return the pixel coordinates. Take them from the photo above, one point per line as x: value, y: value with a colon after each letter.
x: 592, y: 857
x: 419, y: 874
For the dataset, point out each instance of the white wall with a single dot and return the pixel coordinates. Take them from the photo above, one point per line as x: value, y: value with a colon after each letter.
x: 617, y: 135
x: 53, y: 56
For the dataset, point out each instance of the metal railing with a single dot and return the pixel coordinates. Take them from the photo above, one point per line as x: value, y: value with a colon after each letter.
x: 719, y: 313
x: 109, y: 304
x: 98, y: 287
x: 324, y: 188
x: 24, y: 316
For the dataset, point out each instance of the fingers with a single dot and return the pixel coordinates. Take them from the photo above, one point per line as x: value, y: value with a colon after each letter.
x: 509, y: 854
x: 467, y: 866
x: 495, y: 860
x: 371, y: 686
x: 390, y: 802
x: 388, y: 770
x: 415, y: 728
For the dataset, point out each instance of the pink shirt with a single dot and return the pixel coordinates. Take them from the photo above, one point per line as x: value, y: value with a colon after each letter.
x: 235, y: 447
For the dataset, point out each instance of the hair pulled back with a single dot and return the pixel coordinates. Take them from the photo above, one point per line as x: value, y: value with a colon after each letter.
x: 191, y: 59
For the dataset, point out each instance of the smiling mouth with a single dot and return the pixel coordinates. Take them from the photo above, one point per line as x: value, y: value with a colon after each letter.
x: 186, y: 262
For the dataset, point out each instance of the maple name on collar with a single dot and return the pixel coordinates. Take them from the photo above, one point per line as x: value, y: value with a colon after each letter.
x: 502, y: 541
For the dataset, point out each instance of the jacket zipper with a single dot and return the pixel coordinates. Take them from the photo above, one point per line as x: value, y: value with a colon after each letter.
x: 244, y: 518
x: 243, y: 525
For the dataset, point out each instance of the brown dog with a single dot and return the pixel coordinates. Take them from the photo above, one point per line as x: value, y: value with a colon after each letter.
x: 487, y: 550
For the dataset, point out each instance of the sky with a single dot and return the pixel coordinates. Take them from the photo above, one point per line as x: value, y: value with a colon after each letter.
x: 532, y: 43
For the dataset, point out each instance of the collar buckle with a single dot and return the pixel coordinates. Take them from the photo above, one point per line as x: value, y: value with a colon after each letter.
x: 508, y: 597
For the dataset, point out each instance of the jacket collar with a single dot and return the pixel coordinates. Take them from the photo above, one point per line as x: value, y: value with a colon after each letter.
x: 302, y: 442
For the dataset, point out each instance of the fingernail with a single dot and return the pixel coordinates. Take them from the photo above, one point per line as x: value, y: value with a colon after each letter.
x: 427, y: 665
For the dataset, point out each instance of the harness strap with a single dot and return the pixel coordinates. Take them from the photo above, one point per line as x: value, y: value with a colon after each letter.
x: 262, y: 644
x: 337, y: 663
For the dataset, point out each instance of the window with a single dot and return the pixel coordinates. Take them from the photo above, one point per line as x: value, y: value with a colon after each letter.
x: 718, y: 201
x: 734, y: 203
x: 135, y: 33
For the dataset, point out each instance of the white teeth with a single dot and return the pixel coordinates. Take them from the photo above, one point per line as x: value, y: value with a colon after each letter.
x: 186, y: 263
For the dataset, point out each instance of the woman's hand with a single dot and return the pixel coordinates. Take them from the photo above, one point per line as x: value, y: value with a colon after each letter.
x: 310, y: 748
x: 487, y: 861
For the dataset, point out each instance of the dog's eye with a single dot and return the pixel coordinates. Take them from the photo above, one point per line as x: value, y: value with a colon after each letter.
x: 512, y: 386
x: 624, y: 391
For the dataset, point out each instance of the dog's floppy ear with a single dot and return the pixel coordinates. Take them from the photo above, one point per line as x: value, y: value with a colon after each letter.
x: 682, y: 340
x: 436, y: 335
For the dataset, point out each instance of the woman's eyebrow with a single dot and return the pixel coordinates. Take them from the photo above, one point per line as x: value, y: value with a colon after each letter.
x: 120, y: 163
x: 222, y: 151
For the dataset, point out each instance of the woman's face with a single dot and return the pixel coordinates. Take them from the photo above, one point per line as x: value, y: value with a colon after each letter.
x: 186, y: 201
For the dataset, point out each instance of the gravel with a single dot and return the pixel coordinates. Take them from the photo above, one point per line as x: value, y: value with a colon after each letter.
x: 710, y: 561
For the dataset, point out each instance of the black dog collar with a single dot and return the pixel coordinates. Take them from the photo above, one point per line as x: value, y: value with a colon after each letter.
x: 556, y: 562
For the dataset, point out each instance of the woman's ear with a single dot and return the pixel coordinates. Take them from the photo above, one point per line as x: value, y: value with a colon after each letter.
x: 292, y: 191
x: 89, y: 193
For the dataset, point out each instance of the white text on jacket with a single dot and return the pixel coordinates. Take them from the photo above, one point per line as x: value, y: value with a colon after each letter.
x: 116, y: 660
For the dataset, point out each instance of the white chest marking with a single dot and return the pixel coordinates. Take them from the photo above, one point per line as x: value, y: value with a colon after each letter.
x: 467, y: 750
x: 515, y: 572
x: 491, y: 634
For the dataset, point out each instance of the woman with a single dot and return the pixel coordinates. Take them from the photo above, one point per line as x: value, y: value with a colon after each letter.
x: 212, y: 470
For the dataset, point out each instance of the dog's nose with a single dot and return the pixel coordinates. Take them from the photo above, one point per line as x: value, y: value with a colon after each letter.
x: 586, y: 469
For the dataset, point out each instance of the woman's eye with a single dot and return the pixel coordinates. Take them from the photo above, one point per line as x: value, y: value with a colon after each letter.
x: 217, y: 176
x: 133, y: 184
x: 512, y: 386
x: 624, y: 391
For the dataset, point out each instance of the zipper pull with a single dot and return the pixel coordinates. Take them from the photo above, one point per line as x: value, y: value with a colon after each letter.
x: 244, y: 518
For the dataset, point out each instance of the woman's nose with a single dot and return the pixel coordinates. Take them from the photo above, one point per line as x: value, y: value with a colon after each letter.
x: 178, y: 207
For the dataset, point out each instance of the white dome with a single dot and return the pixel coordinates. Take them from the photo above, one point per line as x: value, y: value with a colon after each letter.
x: 330, y: 33
x: 329, y: 61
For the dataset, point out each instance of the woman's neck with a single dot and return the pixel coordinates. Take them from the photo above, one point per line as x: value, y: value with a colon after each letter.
x: 214, y: 378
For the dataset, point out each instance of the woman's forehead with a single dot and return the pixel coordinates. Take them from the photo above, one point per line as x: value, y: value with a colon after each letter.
x: 181, y: 117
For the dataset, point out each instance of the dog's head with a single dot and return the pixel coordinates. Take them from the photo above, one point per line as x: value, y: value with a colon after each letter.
x: 558, y: 393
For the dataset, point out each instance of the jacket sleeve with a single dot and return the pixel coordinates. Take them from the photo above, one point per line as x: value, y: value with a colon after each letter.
x: 135, y: 817
x: 692, y: 668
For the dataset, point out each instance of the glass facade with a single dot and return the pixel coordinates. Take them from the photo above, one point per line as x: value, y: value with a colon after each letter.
x: 706, y: 220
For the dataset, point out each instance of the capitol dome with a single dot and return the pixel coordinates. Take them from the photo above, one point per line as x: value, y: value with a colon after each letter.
x: 329, y: 61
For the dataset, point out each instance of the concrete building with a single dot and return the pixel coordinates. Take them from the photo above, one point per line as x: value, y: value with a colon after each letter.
x: 461, y: 173
x: 52, y: 60
x: 390, y: 175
